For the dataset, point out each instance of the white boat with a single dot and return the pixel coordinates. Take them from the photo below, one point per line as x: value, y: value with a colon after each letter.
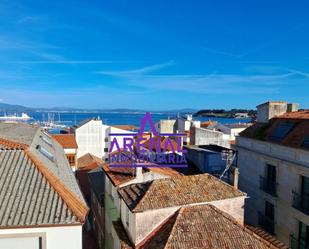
x: 15, y: 117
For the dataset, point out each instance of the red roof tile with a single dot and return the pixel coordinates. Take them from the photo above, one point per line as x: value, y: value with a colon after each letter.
x: 67, y: 141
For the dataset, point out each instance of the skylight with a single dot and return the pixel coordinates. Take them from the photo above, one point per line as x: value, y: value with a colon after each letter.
x: 281, y: 131
x: 47, y: 140
x: 45, y: 153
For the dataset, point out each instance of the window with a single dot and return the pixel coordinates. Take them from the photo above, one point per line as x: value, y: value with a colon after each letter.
x: 269, y: 210
x: 45, y: 153
x: 271, y: 173
x: 127, y: 216
x: 106, y: 139
x: 71, y: 159
x: 305, y: 193
x: 306, y: 142
x: 281, y: 131
x: 47, y: 140
x: 105, y: 149
x: 303, y: 236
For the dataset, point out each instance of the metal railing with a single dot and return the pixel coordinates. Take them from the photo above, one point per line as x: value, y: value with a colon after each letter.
x: 301, y: 202
x: 268, y: 186
x: 266, y: 223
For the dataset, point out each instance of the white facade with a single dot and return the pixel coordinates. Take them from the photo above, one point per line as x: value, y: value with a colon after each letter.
x: 232, y: 131
x: 55, y: 237
x: 93, y: 137
x: 291, y: 165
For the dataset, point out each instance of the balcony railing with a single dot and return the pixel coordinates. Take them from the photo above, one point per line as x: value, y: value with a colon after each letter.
x: 268, y: 186
x: 301, y: 202
x: 266, y: 223
x: 298, y: 243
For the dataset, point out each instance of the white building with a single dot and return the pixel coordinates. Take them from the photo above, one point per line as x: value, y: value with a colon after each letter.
x: 41, y: 204
x: 232, y: 130
x: 93, y: 137
x: 273, y: 161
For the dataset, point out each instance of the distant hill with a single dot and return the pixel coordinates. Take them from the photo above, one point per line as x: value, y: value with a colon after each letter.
x: 13, y: 108
x: 19, y: 108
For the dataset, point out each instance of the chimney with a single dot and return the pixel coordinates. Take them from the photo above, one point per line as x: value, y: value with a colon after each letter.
x: 292, y: 107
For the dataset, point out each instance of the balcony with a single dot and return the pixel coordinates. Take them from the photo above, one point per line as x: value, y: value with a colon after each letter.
x: 266, y: 223
x: 297, y: 243
x: 301, y: 202
x: 268, y: 186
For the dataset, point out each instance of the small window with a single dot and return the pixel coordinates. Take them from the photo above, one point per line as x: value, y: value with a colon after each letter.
x: 306, y: 142
x: 269, y: 210
x: 281, y: 131
x: 105, y: 149
x: 45, y: 153
x: 106, y: 139
x: 271, y: 173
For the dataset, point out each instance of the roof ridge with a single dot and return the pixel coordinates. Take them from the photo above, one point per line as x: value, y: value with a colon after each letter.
x: 70, y: 199
x: 148, y: 184
x: 10, y: 144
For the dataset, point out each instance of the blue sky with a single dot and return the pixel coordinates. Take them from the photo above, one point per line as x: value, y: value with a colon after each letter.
x: 154, y: 55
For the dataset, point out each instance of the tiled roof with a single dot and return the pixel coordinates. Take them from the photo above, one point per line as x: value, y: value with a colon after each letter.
x: 89, y: 161
x: 176, y: 191
x: 199, y: 227
x: 119, y: 175
x: 294, y: 138
x: 27, y: 197
x: 204, y: 226
x: 127, y: 127
x: 43, y: 176
x: 67, y: 141
x: 296, y: 115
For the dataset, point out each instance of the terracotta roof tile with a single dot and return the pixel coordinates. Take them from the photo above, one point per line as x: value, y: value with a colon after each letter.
x: 204, y: 226
x: 197, y: 227
x: 89, y: 161
x: 67, y: 141
x: 176, y: 191
x: 294, y: 138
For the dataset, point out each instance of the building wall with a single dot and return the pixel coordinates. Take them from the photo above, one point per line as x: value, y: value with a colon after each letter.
x: 232, y: 206
x: 205, y: 161
x: 202, y: 136
x: 89, y: 138
x: 58, y: 237
x: 166, y: 126
x: 269, y: 110
x: 98, y: 216
x: 145, y: 222
x: 291, y: 164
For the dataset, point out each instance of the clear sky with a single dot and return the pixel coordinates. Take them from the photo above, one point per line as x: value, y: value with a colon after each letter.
x: 154, y: 55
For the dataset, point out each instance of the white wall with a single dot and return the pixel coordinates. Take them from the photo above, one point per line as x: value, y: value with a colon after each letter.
x: 89, y: 138
x: 56, y: 237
